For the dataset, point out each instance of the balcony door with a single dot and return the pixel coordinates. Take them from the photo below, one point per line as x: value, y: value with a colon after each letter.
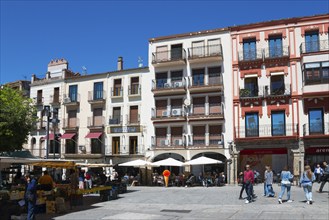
x: 315, y: 117
x: 249, y: 49
x: 278, y: 123
x: 133, y: 144
x: 115, y: 145
x: 251, y: 86
x: 277, y: 85
x: 176, y: 52
x: 275, y: 46
x: 98, y: 90
x: 312, y: 42
x: 252, y: 125
x: 73, y: 93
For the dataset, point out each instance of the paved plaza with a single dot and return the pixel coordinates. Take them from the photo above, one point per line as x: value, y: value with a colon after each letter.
x: 200, y: 203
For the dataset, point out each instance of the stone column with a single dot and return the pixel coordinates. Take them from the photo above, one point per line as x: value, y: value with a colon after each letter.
x: 298, y: 160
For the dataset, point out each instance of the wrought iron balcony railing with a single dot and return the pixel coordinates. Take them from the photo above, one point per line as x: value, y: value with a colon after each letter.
x: 96, y: 121
x: 276, y: 52
x: 134, y: 89
x: 320, y: 128
x: 96, y: 95
x: 314, y: 46
x: 115, y: 120
x: 285, y: 89
x: 205, y: 51
x: 169, y: 55
x: 251, y: 55
x: 266, y: 130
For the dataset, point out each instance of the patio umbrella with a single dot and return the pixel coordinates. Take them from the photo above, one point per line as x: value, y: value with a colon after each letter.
x: 135, y: 163
x: 202, y: 161
x: 168, y: 162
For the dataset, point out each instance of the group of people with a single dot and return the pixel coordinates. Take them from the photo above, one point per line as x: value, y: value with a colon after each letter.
x: 306, y: 180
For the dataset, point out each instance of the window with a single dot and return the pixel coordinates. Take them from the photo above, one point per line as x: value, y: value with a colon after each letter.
x: 316, y: 73
x: 197, y: 49
x: 70, y: 146
x: 39, y: 97
x: 312, y: 42
x: 133, y: 145
x: 116, y: 118
x: 117, y: 88
x: 176, y: 76
x: 251, y: 87
x: 134, y: 84
x: 214, y: 75
x: 98, y: 117
x: 134, y: 114
x: 56, y: 95
x: 73, y: 93
x: 252, y: 125
x: 198, y: 77
x: 214, y: 47
x: 161, y: 79
x: 278, y: 123
x: 98, y: 90
x: 249, y: 49
x: 116, y: 145
x: 176, y: 52
x: 275, y: 46
x: 96, y: 146
x: 72, y: 119
x: 277, y: 85
x: 315, y: 117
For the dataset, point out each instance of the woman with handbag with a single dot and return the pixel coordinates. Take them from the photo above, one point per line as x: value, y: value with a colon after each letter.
x: 286, y: 176
x: 306, y: 182
x: 30, y: 196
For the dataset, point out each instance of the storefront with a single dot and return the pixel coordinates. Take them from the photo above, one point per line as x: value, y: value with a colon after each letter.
x: 316, y: 154
x: 258, y: 158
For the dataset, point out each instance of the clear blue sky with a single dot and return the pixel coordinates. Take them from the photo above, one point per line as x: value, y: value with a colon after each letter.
x: 94, y: 33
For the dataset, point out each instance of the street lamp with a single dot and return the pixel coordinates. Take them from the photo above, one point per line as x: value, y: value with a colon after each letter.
x: 46, y: 109
x: 55, y: 122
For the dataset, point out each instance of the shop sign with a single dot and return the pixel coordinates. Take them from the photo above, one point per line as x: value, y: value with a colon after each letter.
x: 317, y: 150
x: 264, y: 151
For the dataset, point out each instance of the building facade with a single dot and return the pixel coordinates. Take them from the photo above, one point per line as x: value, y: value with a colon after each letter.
x: 275, y: 82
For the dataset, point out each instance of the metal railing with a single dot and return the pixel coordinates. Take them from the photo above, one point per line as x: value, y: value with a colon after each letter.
x: 55, y: 99
x: 71, y: 99
x: 314, y: 46
x: 115, y: 120
x: 266, y: 130
x: 276, y: 52
x: 117, y: 92
x: 95, y: 95
x: 135, y: 120
x: 285, y: 89
x: 96, y: 121
x: 251, y: 55
x: 70, y: 123
x: 316, y: 129
x: 134, y: 89
x: 169, y: 55
x: 205, y: 51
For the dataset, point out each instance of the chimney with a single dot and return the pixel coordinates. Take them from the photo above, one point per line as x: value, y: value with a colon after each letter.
x: 120, y: 63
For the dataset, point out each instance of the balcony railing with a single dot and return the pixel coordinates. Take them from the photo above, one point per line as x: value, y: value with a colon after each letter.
x: 55, y: 99
x: 70, y: 123
x: 71, y: 99
x: 117, y: 92
x: 96, y: 95
x: 165, y: 113
x: 316, y: 129
x: 38, y: 100
x: 257, y: 91
x: 205, y: 51
x: 134, y: 89
x: 314, y: 46
x: 96, y: 121
x: 277, y: 91
x: 169, y: 55
x: 251, y: 55
x: 116, y: 120
x: 133, y: 120
x: 266, y: 130
x: 276, y: 52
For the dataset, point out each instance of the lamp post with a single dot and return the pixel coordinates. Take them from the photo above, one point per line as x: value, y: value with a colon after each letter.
x: 46, y: 109
x: 54, y: 122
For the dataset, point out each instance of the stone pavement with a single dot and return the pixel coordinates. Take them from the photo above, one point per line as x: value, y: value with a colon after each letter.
x: 175, y: 203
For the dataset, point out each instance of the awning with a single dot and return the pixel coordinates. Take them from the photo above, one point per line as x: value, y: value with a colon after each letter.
x: 94, y: 135
x: 51, y: 137
x: 68, y: 135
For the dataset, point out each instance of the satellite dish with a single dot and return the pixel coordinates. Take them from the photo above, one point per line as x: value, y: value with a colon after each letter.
x: 187, y: 102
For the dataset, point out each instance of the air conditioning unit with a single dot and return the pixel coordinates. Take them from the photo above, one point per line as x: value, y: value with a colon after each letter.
x: 165, y: 114
x: 167, y: 85
x: 164, y: 142
x: 179, y: 142
x: 67, y: 100
x: 176, y: 112
x: 178, y: 84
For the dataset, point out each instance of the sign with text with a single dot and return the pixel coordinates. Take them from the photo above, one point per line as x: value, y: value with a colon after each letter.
x: 124, y: 129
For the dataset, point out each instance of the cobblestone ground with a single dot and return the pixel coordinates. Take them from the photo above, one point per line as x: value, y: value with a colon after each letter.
x: 199, y: 203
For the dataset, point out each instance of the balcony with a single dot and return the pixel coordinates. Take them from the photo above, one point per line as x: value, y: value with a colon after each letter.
x: 276, y: 54
x: 38, y: 101
x: 251, y: 55
x: 169, y: 58
x: 55, y: 100
x: 73, y: 100
x: 314, y: 47
x: 266, y: 131
x: 117, y: 92
x: 133, y: 120
x: 96, y: 97
x: 171, y: 114
x: 71, y: 124
x: 134, y: 90
x: 205, y: 84
x: 255, y: 93
x: 116, y: 120
x: 284, y: 90
x: 315, y: 130
x: 163, y: 143
x: 169, y: 88
x: 209, y: 53
x: 96, y: 122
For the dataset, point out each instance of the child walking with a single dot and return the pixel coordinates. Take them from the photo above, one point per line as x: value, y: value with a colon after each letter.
x: 306, y: 182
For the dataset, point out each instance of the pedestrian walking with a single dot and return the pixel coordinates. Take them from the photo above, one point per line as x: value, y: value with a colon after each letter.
x: 249, y: 181
x: 306, y: 182
x: 318, y: 171
x: 30, y: 196
x: 325, y: 177
x: 286, y: 176
x: 268, y: 182
x: 243, y: 186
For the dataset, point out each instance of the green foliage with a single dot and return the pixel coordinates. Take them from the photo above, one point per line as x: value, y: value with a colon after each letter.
x: 17, y: 117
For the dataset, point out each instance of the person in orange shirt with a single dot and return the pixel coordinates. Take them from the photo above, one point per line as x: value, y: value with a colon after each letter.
x: 46, y: 181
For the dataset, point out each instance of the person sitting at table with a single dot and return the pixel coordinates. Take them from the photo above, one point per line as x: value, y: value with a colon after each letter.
x: 190, y: 180
x: 46, y: 181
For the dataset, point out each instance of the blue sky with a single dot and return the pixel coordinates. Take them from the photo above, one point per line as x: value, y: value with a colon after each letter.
x: 95, y: 33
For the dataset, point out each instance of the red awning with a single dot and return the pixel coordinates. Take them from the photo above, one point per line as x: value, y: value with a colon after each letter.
x: 94, y: 135
x: 51, y: 137
x: 68, y: 135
